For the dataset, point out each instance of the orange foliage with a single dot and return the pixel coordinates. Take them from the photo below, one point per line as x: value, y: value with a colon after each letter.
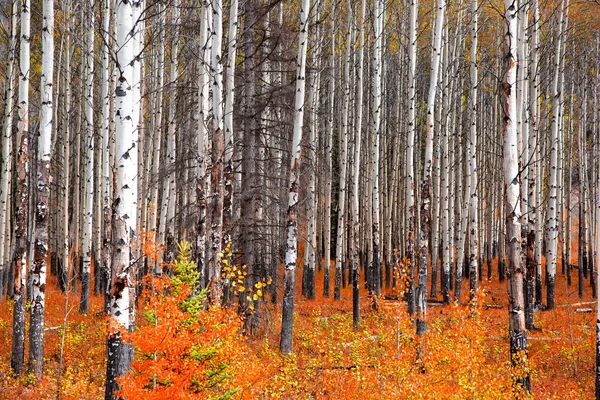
x: 188, y: 352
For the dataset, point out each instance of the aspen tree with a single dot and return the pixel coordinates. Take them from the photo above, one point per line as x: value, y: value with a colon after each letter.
x: 120, y: 354
x: 343, y: 159
x: 203, y: 143
x: 535, y: 131
x: 66, y: 173
x: 36, y: 326
x: 517, y: 330
x: 157, y: 125
x: 89, y: 170
x: 329, y: 158
x: 354, y: 237
x: 7, y: 132
x: 218, y: 143
x: 553, y: 204
x: 170, y: 186
x: 289, y: 284
x: 228, y: 117
x: 105, y: 134
x: 410, y: 150
x: 532, y: 174
x: 22, y: 194
x: 473, y: 245
x: 376, y: 133
x: 421, y: 294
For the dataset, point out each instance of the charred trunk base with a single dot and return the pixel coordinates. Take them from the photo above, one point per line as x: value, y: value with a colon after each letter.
x: 355, y: 297
x: 501, y: 269
x: 17, y: 358
x: 518, y: 356
x: 84, y: 303
x: 550, y: 286
x: 119, y: 357
x: 326, y: 280
x: 36, y: 339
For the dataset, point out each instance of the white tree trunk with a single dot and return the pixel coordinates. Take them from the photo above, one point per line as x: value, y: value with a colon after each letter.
x: 86, y: 245
x: 287, y: 317
x: 343, y: 162
x: 553, y: 212
x: 120, y: 354
x: 421, y: 294
x: 38, y: 286
x: 22, y: 193
x: 474, y: 201
x: 518, y: 333
x: 5, y: 160
x: 228, y: 118
x: 376, y: 132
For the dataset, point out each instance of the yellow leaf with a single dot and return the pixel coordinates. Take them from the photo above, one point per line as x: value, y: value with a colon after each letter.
x: 241, y: 289
x: 255, y: 297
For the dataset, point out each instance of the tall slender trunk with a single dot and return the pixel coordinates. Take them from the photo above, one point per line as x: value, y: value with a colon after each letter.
x: 36, y: 330
x: 21, y: 195
x: 119, y: 353
x: 376, y: 132
x: 106, y: 143
x: 289, y: 284
x: 339, y: 260
x: 228, y: 118
x: 410, y: 153
x: 473, y: 243
x: 218, y: 143
x: 518, y: 332
x: 329, y: 159
x: 421, y: 295
x: 89, y: 170
x: 7, y: 132
x: 553, y: 204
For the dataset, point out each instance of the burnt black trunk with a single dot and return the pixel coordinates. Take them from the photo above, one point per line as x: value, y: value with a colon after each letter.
x: 119, y: 357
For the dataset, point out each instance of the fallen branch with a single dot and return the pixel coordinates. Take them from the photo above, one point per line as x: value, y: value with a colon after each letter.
x: 585, y: 303
x: 488, y: 306
x: 53, y: 328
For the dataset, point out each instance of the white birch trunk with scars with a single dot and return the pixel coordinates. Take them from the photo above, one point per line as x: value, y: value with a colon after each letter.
x: 38, y: 286
x: 218, y: 143
x: 376, y: 132
x: 410, y: 150
x: 202, y: 141
x: 22, y: 194
x: 171, y: 131
x: 355, y: 214
x: 105, y: 134
x: 518, y: 333
x: 343, y: 164
x: 289, y: 284
x: 536, y: 187
x: 329, y: 160
x: 66, y: 171
x: 5, y: 160
x: 157, y: 139
x: 86, y: 245
x: 474, y: 201
x: 228, y: 119
x: 553, y: 213
x: 421, y: 294
x: 120, y: 354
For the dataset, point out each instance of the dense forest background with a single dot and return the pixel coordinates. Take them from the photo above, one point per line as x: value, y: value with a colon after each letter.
x: 315, y: 199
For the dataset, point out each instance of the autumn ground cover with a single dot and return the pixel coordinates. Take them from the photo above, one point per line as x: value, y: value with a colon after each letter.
x: 464, y: 354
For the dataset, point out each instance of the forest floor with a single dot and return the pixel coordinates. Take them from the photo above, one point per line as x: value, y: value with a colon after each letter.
x: 464, y: 355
